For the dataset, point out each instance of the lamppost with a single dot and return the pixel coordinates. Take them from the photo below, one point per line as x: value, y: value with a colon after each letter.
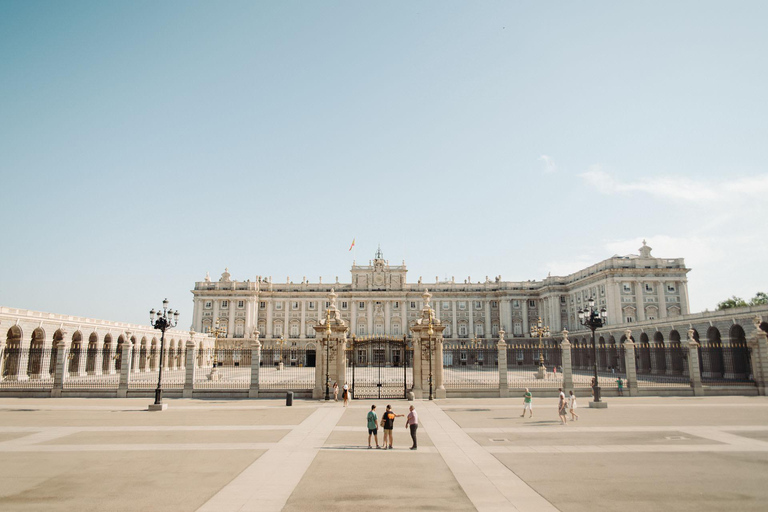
x: 280, y: 342
x: 430, y: 333
x: 540, y: 330
x: 216, y: 331
x: 327, y: 352
x: 167, y: 319
x: 592, y: 318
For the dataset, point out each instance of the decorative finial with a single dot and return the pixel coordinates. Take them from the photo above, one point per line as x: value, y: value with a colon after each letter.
x: 207, y: 277
x: 332, y: 299
x: 427, y: 296
x: 379, y: 254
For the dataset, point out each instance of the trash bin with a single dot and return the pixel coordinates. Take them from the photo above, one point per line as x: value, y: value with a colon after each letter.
x: 289, y: 398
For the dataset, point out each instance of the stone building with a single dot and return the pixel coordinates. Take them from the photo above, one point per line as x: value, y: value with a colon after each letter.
x: 379, y: 300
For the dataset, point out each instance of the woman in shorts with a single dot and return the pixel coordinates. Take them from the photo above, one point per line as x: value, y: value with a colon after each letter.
x: 572, y: 405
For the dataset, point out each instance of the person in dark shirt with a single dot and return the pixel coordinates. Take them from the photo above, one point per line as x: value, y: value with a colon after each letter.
x: 388, y: 422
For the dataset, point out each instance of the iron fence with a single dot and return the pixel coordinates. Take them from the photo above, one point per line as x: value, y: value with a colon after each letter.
x: 525, y: 359
x: 288, y: 368
x: 725, y: 364
x: 223, y: 368
x: 610, y: 369
x: 24, y: 368
x: 660, y: 365
x: 468, y: 367
x: 89, y: 373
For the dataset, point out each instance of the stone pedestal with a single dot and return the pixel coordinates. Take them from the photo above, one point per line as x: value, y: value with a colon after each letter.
x: 157, y: 407
x: 598, y: 405
x: 541, y: 372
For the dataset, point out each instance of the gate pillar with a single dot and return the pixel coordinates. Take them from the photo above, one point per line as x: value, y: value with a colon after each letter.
x: 428, y: 347
x: 332, y: 334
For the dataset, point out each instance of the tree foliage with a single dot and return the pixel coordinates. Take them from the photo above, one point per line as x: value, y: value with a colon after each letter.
x: 760, y: 299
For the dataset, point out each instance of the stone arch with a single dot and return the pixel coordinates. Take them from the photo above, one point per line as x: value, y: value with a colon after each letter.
x: 602, y: 353
x: 93, y: 347
x: 738, y: 365
x: 678, y: 354
x: 660, y: 353
x: 711, y: 361
x: 75, y: 349
x: 36, y: 347
x: 12, y: 352
x: 57, y: 337
x: 643, y: 354
x: 107, y: 354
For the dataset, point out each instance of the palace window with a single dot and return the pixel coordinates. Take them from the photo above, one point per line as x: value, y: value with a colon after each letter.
x: 562, y: 299
x: 478, y: 304
x: 494, y: 304
x: 278, y: 305
x: 361, y: 305
x: 671, y: 288
x: 463, y: 330
x: 361, y: 330
x: 294, y: 330
x: 531, y: 303
x: 344, y: 305
x: 311, y: 305
x: 648, y: 287
x: 518, y: 329
x: 627, y: 288
x: 396, y: 329
x: 278, y: 330
x: 294, y: 305
x: 447, y: 331
x: 395, y: 305
x: 208, y: 304
x: 462, y: 304
x: 446, y: 305
x: 413, y: 305
x: 516, y: 304
x: 240, y: 304
x: 262, y: 305
x: 224, y: 304
x: 479, y: 331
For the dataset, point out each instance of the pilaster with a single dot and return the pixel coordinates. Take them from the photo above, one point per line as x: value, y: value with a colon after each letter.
x: 189, y: 369
x: 253, y: 390
x: 694, y: 367
x: 565, y: 349
x: 126, y: 362
x: 60, y: 368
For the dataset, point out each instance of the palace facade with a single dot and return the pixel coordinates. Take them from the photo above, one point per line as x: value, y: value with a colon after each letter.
x: 379, y: 300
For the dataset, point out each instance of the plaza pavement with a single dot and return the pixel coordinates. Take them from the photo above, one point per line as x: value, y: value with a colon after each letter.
x: 474, y: 454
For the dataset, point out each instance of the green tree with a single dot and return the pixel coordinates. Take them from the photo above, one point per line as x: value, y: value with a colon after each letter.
x: 760, y: 299
x: 733, y: 302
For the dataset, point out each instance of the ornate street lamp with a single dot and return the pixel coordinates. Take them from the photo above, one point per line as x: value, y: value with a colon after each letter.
x: 540, y: 330
x: 327, y: 352
x: 592, y: 318
x: 167, y: 319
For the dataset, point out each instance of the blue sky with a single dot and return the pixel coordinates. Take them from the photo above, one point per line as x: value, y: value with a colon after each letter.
x: 145, y: 143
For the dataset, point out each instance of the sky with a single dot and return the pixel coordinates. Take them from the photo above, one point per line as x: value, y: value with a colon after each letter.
x: 143, y: 143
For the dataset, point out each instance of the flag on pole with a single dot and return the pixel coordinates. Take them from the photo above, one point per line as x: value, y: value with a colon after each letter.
x: 353, y: 244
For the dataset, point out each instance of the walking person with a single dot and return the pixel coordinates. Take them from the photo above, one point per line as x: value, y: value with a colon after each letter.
x: 373, y: 427
x: 412, y: 422
x: 527, y: 403
x: 562, y: 408
x: 620, y: 384
x: 554, y: 371
x: 345, y: 395
x: 388, y: 422
x: 572, y: 405
x: 335, y: 392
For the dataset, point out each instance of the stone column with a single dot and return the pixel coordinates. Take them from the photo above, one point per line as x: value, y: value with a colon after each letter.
x: 60, y: 368
x: 471, y: 309
x: 135, y: 366
x: 319, y: 390
x: 455, y: 327
x: 22, y: 361
x: 126, y: 361
x: 488, y: 327
x: 565, y: 349
x: 501, y: 346
x: 269, y: 318
x: 189, y: 369
x: 253, y: 390
x: 629, y: 363
x: 418, y: 378
x: 45, y: 359
x: 341, y: 361
x: 98, y: 359
x: 694, y: 368
x: 438, y: 367
x: 526, y: 330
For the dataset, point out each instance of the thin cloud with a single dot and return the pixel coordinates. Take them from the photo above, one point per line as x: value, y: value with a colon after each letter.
x: 549, y: 164
x: 679, y: 188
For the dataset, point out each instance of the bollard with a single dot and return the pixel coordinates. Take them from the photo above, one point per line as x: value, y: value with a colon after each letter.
x: 289, y: 398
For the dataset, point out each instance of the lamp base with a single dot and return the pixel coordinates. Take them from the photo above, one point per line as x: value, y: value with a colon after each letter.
x: 598, y: 405
x: 541, y: 372
x: 157, y: 407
